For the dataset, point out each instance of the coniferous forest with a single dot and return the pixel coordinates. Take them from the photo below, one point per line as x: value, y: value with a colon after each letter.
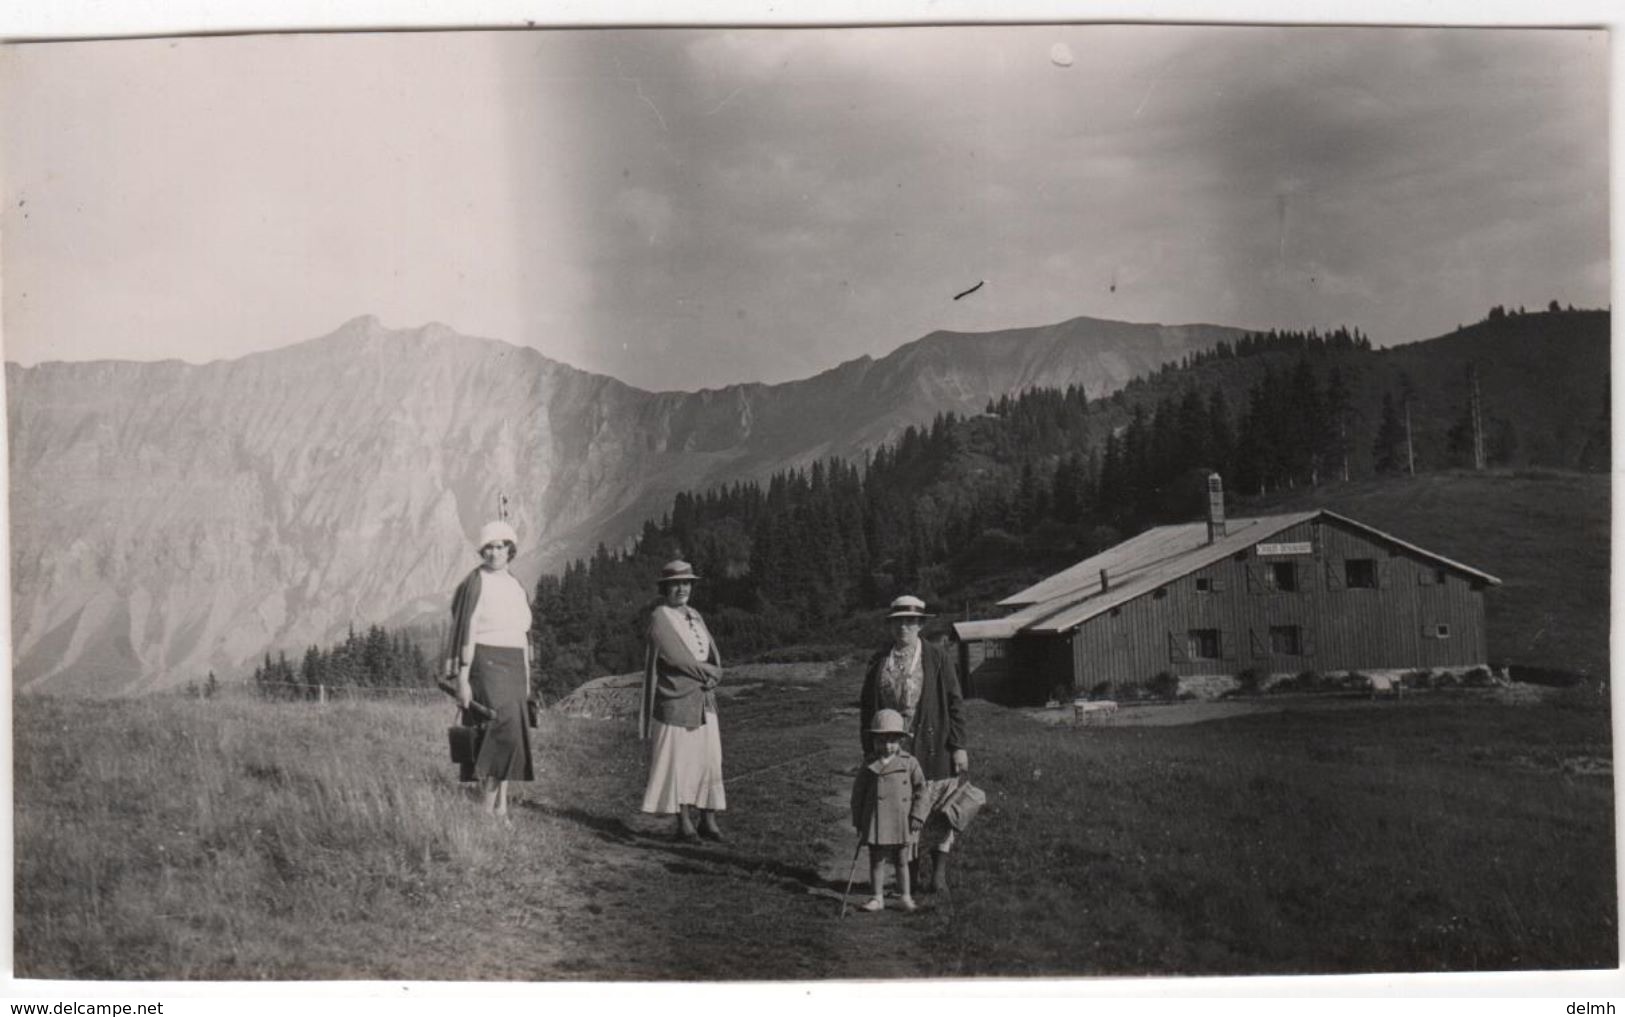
x: 966, y: 509
x: 377, y: 659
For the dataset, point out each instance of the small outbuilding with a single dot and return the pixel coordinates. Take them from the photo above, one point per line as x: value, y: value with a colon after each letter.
x: 1206, y: 602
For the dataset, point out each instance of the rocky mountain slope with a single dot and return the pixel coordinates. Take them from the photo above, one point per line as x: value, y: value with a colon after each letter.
x: 169, y: 518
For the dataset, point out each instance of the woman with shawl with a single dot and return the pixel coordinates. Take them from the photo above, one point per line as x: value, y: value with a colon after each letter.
x: 679, y: 711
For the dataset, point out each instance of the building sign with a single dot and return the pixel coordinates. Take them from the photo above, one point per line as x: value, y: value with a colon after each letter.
x: 1295, y: 547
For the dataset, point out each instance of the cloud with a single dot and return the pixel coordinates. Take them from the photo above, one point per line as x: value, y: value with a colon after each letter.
x: 701, y: 206
x: 648, y: 214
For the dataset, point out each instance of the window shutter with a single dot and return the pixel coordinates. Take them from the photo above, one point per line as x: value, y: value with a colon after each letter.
x: 1306, y: 640
x: 1256, y: 644
x: 1217, y: 584
x: 1385, y: 577
x: 1335, y: 580
x: 1227, y: 646
x: 1255, y: 581
x: 1424, y: 577
x: 1177, y: 652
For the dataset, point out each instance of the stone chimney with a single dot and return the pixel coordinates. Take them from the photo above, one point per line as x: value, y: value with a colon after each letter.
x: 1215, y: 507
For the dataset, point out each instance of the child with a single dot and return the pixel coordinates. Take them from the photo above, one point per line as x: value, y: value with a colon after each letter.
x: 888, y: 808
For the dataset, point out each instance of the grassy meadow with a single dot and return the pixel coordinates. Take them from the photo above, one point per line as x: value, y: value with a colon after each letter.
x: 236, y: 839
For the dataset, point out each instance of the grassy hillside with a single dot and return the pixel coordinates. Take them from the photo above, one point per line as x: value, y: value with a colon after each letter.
x: 1544, y: 534
x: 236, y: 839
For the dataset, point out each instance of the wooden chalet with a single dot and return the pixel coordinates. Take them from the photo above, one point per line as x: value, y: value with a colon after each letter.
x: 1207, y: 601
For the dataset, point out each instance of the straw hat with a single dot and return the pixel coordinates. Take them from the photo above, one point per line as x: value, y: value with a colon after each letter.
x: 496, y: 532
x: 887, y: 722
x: 908, y: 607
x: 677, y: 571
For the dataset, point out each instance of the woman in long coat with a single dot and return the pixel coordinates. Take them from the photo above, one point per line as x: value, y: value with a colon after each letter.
x: 490, y: 655
x: 679, y: 712
x: 919, y: 680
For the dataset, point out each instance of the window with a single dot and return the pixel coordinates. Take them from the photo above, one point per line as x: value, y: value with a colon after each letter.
x: 1204, y: 585
x: 1440, y: 576
x: 1286, y: 639
x: 993, y: 649
x: 1204, y: 644
x: 1360, y: 573
x: 1284, y: 576
x: 1441, y: 632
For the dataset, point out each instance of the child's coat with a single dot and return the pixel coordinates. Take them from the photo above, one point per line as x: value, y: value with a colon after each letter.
x: 886, y: 794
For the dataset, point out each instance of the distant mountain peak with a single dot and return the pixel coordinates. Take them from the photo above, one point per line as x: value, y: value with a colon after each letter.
x: 169, y: 521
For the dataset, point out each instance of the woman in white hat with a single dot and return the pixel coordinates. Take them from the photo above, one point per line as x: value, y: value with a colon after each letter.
x: 920, y: 681
x: 490, y: 655
x: 679, y: 711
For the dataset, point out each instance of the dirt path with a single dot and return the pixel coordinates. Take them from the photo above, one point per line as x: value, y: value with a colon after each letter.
x: 604, y: 892
x: 893, y: 943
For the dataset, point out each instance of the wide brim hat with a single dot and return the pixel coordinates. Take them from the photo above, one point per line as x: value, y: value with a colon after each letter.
x: 907, y: 607
x: 497, y: 531
x: 677, y: 571
x: 887, y: 722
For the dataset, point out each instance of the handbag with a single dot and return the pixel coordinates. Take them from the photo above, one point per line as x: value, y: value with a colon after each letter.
x: 962, y: 804
x: 465, y: 740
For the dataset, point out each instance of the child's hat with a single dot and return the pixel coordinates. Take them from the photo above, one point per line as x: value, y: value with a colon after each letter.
x: 887, y: 722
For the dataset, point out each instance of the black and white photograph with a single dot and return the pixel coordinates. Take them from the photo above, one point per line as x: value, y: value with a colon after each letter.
x: 1069, y: 501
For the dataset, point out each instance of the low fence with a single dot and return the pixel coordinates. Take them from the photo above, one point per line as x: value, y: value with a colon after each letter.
x: 303, y: 692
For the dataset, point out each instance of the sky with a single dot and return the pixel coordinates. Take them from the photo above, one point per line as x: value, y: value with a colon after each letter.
x: 687, y: 209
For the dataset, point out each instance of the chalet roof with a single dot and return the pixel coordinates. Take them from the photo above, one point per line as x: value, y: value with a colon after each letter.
x: 1156, y: 557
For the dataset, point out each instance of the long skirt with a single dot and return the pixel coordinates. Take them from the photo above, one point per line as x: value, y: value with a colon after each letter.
x: 497, y: 679
x: 685, y: 768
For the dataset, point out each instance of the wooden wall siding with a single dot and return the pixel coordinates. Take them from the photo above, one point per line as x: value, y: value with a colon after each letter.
x: 1386, y: 627
x: 982, y: 676
x: 1340, y: 628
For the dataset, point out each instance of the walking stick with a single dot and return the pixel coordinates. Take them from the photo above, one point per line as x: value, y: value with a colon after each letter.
x: 851, y: 875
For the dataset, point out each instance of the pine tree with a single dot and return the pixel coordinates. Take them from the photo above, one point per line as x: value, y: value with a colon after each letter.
x: 1338, y: 406
x: 1219, y: 452
x: 1388, y: 449
x: 1459, y: 439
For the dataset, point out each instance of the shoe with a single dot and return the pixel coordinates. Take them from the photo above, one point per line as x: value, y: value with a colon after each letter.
x: 709, y: 828
x: 873, y: 904
x: 939, y: 872
x: 907, y: 904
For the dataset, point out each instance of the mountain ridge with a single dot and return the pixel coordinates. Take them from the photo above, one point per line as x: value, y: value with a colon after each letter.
x: 170, y: 518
